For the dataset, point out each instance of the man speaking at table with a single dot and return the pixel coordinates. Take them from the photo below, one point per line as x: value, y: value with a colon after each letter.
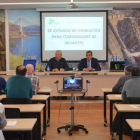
x: 89, y: 63
x: 58, y: 63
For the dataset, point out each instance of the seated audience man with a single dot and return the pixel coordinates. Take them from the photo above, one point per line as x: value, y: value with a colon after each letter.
x: 34, y: 78
x: 131, y: 87
x: 19, y: 86
x: 57, y: 63
x: 119, y: 85
x: 89, y: 63
x: 2, y: 84
x: 3, y: 121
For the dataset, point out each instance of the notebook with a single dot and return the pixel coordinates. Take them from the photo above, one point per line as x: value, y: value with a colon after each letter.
x: 73, y: 84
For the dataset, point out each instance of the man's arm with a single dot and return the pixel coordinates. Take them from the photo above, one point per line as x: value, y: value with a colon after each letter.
x: 97, y: 66
x: 80, y: 67
x: 118, y: 85
x: 124, y: 91
x: 66, y: 65
x: 31, y: 89
x: 49, y: 64
x: 4, y: 84
x: 38, y: 84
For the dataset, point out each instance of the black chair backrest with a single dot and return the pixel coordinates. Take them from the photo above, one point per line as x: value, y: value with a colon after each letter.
x: 12, y: 113
x: 131, y: 100
x: 16, y: 101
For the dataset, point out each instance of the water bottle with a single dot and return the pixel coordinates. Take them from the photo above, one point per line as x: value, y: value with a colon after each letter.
x: 48, y: 68
x: 74, y: 69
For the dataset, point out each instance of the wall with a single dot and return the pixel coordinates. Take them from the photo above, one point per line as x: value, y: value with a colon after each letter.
x: 123, y: 37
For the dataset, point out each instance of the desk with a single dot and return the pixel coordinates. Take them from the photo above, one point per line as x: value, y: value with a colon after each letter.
x: 113, y: 99
x: 124, y: 108
x: 21, y: 126
x: 107, y: 91
x: 30, y: 108
x: 42, y: 99
x: 135, y: 126
x: 98, y: 80
x: 46, y: 91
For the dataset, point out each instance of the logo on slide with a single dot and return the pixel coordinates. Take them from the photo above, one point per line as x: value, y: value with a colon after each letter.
x: 117, y: 66
x: 51, y: 21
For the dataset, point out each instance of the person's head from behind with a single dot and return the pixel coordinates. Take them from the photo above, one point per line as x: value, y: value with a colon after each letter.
x: 58, y: 55
x: 135, y: 71
x: 128, y: 69
x: 89, y: 55
x: 30, y: 68
x: 21, y: 70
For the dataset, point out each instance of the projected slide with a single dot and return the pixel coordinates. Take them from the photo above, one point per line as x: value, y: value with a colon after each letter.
x: 73, y: 33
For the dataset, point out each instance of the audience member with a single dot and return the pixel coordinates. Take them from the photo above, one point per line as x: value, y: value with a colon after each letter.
x: 119, y: 85
x: 33, y: 77
x: 131, y: 87
x: 3, y: 121
x: 2, y: 84
x: 19, y: 86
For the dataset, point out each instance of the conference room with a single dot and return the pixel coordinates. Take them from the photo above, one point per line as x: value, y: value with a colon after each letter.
x: 63, y: 69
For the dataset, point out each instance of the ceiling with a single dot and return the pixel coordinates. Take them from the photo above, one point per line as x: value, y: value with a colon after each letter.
x: 33, y: 4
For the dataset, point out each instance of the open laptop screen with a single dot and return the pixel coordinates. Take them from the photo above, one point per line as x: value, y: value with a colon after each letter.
x: 117, y: 66
x: 73, y: 84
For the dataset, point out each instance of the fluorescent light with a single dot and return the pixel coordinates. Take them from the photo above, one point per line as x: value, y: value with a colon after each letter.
x: 80, y: 8
x: 52, y: 3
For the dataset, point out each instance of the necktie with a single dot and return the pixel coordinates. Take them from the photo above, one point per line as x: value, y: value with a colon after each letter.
x: 88, y: 65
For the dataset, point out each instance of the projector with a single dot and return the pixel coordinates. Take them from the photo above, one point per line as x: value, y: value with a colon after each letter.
x: 72, y: 6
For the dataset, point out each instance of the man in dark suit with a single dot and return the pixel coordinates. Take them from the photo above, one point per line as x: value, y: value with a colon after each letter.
x: 89, y: 63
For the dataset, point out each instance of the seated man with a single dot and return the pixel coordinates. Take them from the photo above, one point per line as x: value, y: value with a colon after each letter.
x: 119, y: 85
x: 131, y: 87
x: 57, y: 63
x: 19, y: 86
x: 2, y: 84
x: 89, y: 63
x: 34, y: 78
x: 3, y: 121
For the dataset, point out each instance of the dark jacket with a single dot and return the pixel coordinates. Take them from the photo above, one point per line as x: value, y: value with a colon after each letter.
x: 94, y: 64
x: 53, y: 63
x: 126, y: 129
x: 119, y: 85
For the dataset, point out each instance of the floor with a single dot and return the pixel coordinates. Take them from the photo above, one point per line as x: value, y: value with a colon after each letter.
x: 87, y: 113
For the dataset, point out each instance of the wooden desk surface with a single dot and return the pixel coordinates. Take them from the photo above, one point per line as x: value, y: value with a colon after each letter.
x: 21, y: 125
x: 106, y: 89
x: 66, y: 72
x: 26, y: 107
x: 34, y: 98
x: 134, y: 124
x: 40, y: 97
x: 113, y: 97
x: 127, y: 108
x: 47, y: 90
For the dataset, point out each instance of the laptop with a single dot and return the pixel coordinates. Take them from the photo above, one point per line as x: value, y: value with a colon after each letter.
x: 72, y: 84
x: 116, y: 66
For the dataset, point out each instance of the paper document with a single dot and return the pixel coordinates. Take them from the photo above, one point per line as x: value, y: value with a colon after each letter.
x: 46, y: 88
x: 118, y: 95
x: 11, y: 123
x: 135, y: 106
